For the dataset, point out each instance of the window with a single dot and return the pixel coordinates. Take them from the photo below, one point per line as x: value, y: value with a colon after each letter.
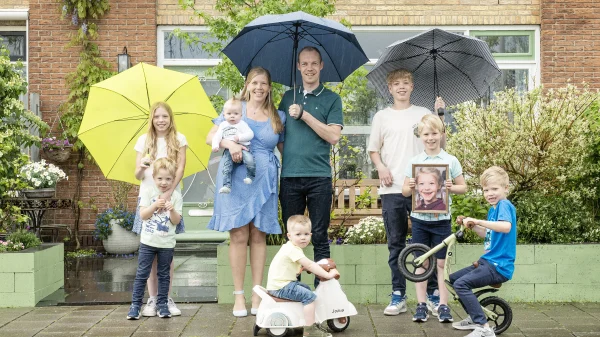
x: 176, y: 54
x: 14, y: 38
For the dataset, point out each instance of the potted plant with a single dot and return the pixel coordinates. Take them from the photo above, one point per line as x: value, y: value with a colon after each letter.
x: 41, y: 178
x: 113, y: 227
x: 57, y: 149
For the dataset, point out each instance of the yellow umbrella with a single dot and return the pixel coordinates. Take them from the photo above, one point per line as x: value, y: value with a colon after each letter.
x: 116, y: 115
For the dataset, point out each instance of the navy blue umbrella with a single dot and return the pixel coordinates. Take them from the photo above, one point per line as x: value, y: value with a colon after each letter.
x: 273, y: 42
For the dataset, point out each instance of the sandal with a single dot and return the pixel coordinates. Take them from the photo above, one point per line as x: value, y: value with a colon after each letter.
x: 243, y: 312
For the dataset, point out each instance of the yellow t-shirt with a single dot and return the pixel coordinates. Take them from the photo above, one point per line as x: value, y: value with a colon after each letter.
x: 285, y: 266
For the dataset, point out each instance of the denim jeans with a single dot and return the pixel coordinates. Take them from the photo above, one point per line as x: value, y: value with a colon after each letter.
x: 295, y: 291
x: 315, y: 192
x: 395, y: 209
x: 228, y: 165
x: 470, y: 278
x: 146, y: 256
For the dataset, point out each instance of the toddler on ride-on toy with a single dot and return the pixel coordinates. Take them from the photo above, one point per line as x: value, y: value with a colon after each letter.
x: 282, y: 281
x: 496, y: 265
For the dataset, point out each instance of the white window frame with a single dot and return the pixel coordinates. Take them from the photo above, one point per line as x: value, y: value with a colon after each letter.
x: 20, y: 29
x: 160, y: 48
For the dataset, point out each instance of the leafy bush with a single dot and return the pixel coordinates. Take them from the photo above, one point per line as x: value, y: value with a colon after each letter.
x: 369, y: 230
x: 103, y: 222
x: 540, y: 138
x: 554, y: 219
x: 472, y: 205
x: 25, y: 237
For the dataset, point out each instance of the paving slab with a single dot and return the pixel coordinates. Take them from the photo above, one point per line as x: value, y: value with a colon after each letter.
x: 214, y: 320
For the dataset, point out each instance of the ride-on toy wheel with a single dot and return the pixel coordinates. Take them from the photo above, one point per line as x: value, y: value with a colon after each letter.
x: 336, y: 326
x: 501, y: 308
x: 277, y: 332
x: 408, y: 266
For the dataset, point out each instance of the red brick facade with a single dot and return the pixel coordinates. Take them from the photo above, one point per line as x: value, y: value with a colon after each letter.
x: 570, y: 42
x: 129, y: 23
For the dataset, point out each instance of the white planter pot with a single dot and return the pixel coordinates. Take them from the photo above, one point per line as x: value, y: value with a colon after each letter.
x: 121, y: 241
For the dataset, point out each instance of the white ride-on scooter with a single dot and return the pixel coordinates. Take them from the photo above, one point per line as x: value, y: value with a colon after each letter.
x: 278, y: 316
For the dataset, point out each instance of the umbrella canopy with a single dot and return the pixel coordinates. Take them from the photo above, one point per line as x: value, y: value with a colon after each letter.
x: 117, y: 114
x: 456, y: 67
x: 273, y: 42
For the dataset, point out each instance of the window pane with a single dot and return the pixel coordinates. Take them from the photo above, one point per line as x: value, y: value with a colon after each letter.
x: 510, y: 78
x: 16, y: 44
x: 375, y: 42
x: 176, y: 48
x: 350, y: 162
x: 516, y: 44
x: 200, y: 187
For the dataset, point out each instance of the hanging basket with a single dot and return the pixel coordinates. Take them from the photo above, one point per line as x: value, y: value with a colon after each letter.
x: 59, y: 156
x: 41, y: 193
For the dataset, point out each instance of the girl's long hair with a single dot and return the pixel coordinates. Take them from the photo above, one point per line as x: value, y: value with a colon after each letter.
x: 170, y: 137
x: 267, y: 105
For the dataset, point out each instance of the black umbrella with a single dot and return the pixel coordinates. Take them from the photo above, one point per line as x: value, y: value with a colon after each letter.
x: 273, y: 42
x: 456, y: 67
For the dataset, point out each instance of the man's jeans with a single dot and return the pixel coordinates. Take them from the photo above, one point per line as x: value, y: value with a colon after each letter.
x: 470, y: 278
x: 315, y: 192
x: 228, y: 165
x: 146, y: 256
x: 395, y: 209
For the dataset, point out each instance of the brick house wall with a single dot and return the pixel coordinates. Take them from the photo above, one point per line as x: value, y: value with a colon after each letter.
x: 570, y: 42
x: 14, y: 4
x: 398, y: 12
x: 129, y: 23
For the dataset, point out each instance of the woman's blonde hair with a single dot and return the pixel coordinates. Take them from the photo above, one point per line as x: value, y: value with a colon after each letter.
x: 267, y: 105
x: 431, y: 121
x: 170, y: 138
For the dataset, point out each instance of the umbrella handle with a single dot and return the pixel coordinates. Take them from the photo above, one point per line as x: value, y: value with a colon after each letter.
x: 441, y: 111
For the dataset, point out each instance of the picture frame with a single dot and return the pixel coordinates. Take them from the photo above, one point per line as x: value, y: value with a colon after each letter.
x: 430, y: 194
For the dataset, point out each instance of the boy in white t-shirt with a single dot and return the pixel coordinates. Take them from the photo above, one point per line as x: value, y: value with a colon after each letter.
x: 235, y: 129
x: 391, y: 145
x: 282, y: 280
x: 160, y: 218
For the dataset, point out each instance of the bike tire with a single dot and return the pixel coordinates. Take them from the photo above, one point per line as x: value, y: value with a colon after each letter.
x: 407, y: 257
x: 505, y: 316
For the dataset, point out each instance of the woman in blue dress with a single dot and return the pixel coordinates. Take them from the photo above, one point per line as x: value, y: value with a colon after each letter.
x: 250, y: 212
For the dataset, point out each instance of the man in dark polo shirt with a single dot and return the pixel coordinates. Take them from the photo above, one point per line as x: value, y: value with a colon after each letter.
x: 315, y: 125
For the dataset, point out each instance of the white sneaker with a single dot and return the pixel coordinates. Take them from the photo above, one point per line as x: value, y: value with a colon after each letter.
x: 397, y: 305
x: 465, y: 324
x: 150, y: 308
x: 173, y: 308
x: 433, y: 302
x: 482, y: 332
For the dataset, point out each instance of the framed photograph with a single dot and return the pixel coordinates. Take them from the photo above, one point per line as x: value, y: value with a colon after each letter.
x: 430, y: 194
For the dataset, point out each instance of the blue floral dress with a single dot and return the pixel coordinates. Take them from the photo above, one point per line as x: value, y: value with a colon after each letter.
x: 256, y: 202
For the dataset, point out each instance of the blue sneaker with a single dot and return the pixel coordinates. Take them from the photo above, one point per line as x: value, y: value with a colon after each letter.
x: 433, y: 301
x: 163, y: 311
x: 444, y: 314
x: 421, y: 314
x: 134, y: 312
x: 397, y: 305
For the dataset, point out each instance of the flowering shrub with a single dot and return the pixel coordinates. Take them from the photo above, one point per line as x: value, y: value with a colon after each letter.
x: 42, y: 175
x: 369, y: 230
x: 9, y: 246
x: 53, y: 144
x: 103, y: 222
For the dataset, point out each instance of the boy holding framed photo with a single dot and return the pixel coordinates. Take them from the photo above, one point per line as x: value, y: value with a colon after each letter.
x: 431, y: 224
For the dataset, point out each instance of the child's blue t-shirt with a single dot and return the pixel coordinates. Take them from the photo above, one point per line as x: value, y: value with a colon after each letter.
x: 501, y: 248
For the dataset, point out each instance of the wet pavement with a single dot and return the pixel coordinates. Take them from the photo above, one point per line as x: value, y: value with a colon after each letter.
x: 109, y: 279
x: 214, y: 320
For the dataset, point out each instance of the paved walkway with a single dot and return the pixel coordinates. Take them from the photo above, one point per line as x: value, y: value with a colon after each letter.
x: 214, y: 320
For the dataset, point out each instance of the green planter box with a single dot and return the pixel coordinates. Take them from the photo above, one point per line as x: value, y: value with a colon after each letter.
x: 30, y: 275
x: 542, y: 272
